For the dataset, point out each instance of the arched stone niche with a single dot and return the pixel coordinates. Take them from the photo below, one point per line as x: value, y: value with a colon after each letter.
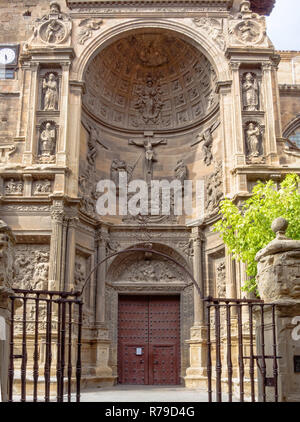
x: 152, y: 80
x: 158, y: 81
x: 139, y: 273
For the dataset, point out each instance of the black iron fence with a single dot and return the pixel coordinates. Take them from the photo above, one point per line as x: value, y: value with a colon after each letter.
x: 45, y: 345
x: 238, y: 362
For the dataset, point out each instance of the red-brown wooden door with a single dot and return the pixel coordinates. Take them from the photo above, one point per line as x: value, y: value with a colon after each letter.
x: 149, y: 340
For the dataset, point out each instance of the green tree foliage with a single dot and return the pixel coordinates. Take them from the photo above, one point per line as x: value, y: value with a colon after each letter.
x: 247, y: 229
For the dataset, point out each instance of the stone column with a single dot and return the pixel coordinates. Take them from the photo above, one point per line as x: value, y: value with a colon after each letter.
x: 55, y: 262
x: 104, y: 374
x: 6, y: 279
x: 101, y: 274
x: 278, y: 282
x: 70, y: 254
x: 237, y: 114
x: 31, y: 136
x: 270, y: 135
x: 64, y: 108
x: 195, y: 374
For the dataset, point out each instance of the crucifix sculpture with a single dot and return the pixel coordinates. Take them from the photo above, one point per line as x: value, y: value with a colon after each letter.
x: 150, y: 157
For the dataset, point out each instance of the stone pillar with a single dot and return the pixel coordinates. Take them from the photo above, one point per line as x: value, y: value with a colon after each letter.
x: 56, y: 244
x: 104, y: 374
x: 64, y: 104
x: 278, y: 282
x: 70, y: 253
x: 268, y: 92
x: 6, y: 279
x: 237, y: 114
x: 196, y: 373
x: 101, y: 274
x: 31, y: 137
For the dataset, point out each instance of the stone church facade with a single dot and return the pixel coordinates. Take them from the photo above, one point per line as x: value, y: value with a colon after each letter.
x: 84, y: 86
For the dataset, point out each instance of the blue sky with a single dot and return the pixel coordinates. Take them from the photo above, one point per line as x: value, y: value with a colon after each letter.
x: 284, y: 25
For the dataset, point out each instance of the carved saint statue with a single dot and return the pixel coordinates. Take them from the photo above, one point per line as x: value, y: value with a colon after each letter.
x: 47, y: 140
x: 51, y: 93
x: 250, y: 93
x: 180, y: 171
x: 252, y: 138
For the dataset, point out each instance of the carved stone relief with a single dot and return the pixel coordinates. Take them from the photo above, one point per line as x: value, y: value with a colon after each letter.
x: 248, y: 28
x: 148, y: 143
x: 80, y: 272
x: 52, y: 29
x: 181, y: 171
x: 13, y: 187
x: 221, y: 279
x: 117, y: 167
x: 6, y: 151
x: 87, y: 178
x: 87, y: 27
x: 214, y: 190
x: 213, y: 28
x: 149, y: 103
x: 187, y: 248
x: 206, y: 139
x: 150, y: 81
x: 32, y: 265
x: 250, y: 92
x: 7, y: 260
x: 254, y: 143
x: 42, y: 187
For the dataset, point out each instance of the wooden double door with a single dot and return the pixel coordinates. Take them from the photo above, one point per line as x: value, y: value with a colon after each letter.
x: 149, y: 340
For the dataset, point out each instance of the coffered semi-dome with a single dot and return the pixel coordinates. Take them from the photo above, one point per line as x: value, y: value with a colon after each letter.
x: 150, y: 81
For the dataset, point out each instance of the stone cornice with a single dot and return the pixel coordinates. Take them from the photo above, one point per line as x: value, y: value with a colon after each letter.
x: 263, y: 7
x: 289, y: 88
x: 155, y: 3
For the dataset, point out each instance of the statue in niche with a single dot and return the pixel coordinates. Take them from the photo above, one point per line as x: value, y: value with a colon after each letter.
x: 149, y: 102
x: 252, y: 139
x: 51, y: 93
x: 47, y: 140
x: 181, y: 171
x: 250, y: 93
x: 79, y: 275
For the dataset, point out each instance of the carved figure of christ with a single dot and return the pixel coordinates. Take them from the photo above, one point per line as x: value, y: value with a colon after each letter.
x: 148, y: 144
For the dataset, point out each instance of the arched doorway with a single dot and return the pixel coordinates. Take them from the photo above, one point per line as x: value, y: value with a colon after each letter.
x: 149, y: 310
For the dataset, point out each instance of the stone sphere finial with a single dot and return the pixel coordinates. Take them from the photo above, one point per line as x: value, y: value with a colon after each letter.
x: 279, y: 226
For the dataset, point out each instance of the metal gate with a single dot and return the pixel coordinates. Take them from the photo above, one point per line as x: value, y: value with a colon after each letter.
x: 237, y: 352
x: 45, y: 332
